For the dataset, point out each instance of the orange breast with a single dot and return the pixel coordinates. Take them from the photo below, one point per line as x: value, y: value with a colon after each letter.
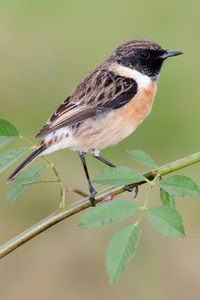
x: 139, y: 107
x: 110, y: 128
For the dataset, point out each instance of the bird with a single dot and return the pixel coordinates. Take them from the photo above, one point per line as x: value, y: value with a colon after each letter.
x: 106, y: 106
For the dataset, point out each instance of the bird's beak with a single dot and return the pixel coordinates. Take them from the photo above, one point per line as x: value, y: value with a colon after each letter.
x: 170, y: 53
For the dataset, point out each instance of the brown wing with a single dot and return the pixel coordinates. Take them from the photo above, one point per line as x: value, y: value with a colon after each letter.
x: 100, y: 91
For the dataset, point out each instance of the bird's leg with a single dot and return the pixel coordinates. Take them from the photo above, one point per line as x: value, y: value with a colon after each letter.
x: 95, y: 153
x: 104, y: 161
x: 91, y: 189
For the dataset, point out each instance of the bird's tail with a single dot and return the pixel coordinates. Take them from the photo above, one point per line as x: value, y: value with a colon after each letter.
x: 25, y: 163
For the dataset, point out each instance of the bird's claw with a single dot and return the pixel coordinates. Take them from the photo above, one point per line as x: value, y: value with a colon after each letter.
x: 91, y: 197
x: 128, y: 189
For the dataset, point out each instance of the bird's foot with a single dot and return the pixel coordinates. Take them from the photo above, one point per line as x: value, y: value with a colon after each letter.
x: 128, y: 189
x: 91, y: 197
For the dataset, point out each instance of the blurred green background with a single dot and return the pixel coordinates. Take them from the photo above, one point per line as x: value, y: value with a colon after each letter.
x: 47, y: 47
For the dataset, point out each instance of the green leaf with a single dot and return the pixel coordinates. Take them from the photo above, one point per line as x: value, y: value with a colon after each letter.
x: 9, y: 157
x: 167, y: 221
x: 141, y: 157
x: 16, y: 189
x: 119, y: 176
x: 7, y: 132
x: 120, y: 250
x: 108, y: 212
x: 179, y: 185
x: 167, y: 199
x: 7, y: 128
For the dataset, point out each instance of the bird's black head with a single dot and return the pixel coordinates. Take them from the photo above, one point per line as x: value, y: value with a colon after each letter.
x: 142, y: 55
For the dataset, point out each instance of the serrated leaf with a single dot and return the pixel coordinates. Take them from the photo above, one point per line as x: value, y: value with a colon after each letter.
x: 167, y: 199
x: 167, y: 221
x: 141, y: 157
x: 108, y: 212
x: 7, y: 132
x: 16, y: 189
x: 179, y: 185
x: 9, y: 157
x: 120, y: 250
x: 119, y: 176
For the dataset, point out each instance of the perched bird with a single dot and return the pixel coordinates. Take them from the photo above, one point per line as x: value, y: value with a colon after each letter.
x: 106, y: 106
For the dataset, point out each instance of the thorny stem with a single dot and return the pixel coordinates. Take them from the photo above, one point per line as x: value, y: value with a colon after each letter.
x: 85, y: 203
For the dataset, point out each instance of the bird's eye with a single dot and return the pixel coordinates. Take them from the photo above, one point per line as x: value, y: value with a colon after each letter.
x: 144, y: 54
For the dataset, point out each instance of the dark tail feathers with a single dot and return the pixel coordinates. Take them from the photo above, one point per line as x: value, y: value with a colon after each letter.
x: 25, y: 163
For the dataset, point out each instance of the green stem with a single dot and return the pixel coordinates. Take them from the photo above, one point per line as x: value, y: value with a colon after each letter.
x: 63, y: 190
x: 78, y: 192
x: 62, y: 199
x: 85, y: 203
x: 54, y: 169
x: 147, y: 198
x: 23, y: 138
x: 39, y: 181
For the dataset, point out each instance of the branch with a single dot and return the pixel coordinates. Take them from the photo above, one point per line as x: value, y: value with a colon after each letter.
x: 85, y: 203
